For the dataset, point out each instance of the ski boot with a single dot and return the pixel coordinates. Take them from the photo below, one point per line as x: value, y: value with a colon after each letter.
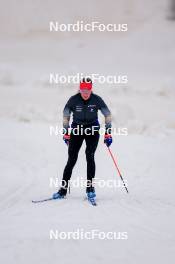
x: 60, y: 194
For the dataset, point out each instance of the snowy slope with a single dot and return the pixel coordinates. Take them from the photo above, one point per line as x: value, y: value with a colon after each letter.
x: 146, y: 213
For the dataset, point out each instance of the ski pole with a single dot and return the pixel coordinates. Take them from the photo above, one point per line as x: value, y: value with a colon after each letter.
x: 115, y: 163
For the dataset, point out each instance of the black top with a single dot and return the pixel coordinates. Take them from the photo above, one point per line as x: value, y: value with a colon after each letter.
x: 85, y: 112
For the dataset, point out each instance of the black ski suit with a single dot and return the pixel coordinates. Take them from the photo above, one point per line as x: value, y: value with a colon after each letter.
x: 85, y: 115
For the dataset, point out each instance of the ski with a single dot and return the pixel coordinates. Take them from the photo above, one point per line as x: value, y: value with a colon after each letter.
x: 42, y: 200
x: 90, y: 200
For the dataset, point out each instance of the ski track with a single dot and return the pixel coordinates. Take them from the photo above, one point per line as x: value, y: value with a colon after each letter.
x: 146, y: 215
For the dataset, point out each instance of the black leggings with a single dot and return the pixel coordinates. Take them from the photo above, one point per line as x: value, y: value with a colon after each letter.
x: 73, y: 150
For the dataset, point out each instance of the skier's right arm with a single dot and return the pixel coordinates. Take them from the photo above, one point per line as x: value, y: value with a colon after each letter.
x: 66, y: 114
x: 66, y: 118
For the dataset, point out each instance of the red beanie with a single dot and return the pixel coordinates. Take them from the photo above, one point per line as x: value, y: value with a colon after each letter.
x: 85, y: 85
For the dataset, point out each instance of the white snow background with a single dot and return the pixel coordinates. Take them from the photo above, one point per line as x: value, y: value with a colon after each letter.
x: 29, y: 156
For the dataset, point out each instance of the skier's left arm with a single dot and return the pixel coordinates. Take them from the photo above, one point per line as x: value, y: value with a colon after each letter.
x: 106, y: 112
x: 108, y: 122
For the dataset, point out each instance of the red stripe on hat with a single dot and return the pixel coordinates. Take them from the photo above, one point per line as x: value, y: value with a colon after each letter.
x: 85, y: 85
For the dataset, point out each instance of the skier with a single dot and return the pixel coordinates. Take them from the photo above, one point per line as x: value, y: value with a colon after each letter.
x: 84, y: 105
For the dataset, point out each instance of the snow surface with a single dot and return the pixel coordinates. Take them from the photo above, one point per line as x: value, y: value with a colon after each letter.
x: 29, y: 156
